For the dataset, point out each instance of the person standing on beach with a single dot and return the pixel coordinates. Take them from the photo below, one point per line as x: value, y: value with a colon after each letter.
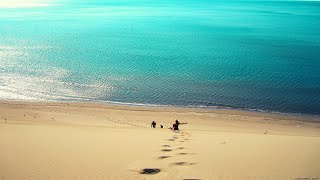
x: 153, y: 124
x: 176, y: 125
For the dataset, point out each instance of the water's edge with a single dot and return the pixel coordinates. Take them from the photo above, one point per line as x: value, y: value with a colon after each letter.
x: 300, y: 116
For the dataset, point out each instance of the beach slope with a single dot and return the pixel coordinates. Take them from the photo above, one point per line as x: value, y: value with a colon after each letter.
x: 94, y: 141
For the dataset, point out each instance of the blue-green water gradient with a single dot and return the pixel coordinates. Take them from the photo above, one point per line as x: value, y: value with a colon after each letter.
x: 261, y: 55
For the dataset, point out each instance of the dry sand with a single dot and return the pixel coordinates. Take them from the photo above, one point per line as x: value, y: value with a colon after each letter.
x: 93, y: 141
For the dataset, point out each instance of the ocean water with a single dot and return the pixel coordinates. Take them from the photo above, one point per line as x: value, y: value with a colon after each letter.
x: 255, y: 55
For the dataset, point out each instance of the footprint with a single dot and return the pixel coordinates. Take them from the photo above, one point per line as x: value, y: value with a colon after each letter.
x: 180, y: 148
x: 163, y: 157
x: 166, y: 146
x: 183, y: 153
x: 183, y: 164
x: 171, y: 139
x: 150, y: 171
x: 166, y: 150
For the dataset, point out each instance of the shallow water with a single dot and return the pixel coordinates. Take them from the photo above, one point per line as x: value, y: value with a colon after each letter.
x: 261, y: 55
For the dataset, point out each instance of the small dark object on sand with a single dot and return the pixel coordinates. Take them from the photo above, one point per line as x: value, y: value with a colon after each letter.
x: 183, y: 164
x: 166, y: 150
x: 163, y: 157
x: 265, y: 132
x: 150, y: 171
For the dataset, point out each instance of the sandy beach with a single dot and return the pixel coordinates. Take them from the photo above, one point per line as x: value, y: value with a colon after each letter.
x: 51, y: 140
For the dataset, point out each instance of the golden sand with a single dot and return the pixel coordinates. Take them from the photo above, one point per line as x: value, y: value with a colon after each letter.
x: 94, y: 141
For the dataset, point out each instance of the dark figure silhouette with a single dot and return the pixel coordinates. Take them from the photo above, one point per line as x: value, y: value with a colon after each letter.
x: 176, y: 125
x: 153, y: 124
x: 161, y: 126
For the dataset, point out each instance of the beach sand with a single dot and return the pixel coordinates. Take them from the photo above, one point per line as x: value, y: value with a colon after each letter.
x: 55, y: 140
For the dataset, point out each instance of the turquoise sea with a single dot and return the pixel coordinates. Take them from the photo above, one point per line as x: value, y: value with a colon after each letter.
x: 253, y: 55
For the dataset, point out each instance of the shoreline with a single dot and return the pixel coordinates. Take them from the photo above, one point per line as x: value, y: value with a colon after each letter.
x: 205, y: 109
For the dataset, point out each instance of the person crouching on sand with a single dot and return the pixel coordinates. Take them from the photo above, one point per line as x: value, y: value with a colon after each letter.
x: 153, y: 124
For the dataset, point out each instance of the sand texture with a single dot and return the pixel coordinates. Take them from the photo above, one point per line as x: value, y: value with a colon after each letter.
x: 41, y: 140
